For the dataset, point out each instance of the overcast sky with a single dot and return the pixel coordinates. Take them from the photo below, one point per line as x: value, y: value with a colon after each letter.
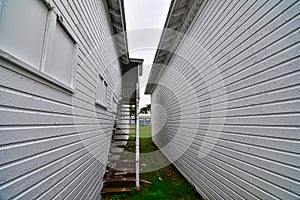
x: 145, y: 20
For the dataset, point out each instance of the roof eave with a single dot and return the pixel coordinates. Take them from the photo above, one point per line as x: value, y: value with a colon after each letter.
x: 179, y: 19
x: 116, y: 13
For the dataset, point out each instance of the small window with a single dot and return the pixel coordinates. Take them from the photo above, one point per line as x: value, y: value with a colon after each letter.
x: 22, y: 29
x: 60, y: 56
x: 115, y: 104
x: 101, y: 92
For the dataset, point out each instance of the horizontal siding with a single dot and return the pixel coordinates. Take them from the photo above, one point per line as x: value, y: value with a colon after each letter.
x: 54, y: 144
x: 245, y: 144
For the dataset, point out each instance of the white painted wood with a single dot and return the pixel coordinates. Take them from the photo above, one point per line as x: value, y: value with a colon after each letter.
x: 137, y: 138
x: 129, y: 80
x: 54, y: 139
x: 255, y: 47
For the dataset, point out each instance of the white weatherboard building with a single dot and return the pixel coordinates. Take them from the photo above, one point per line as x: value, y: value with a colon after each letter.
x: 60, y: 87
x: 224, y: 87
x: 225, y: 97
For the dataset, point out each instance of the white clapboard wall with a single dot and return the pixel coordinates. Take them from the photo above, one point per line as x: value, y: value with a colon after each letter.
x: 251, y: 151
x: 54, y: 142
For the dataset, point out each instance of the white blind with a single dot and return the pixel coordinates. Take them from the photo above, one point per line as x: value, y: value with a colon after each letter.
x: 22, y: 28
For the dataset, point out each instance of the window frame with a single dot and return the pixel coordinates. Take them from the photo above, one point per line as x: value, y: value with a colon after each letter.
x: 104, y: 91
x: 115, y: 102
x: 53, y: 18
x: 53, y: 21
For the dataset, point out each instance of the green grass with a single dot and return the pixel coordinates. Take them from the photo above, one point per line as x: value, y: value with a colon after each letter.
x: 145, y: 139
x: 167, y: 183
x: 145, y: 131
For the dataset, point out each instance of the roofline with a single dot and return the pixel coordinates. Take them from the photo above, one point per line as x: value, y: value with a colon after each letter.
x: 123, y: 33
x: 140, y: 64
x: 122, y: 10
x: 165, y: 27
x: 138, y: 60
x: 164, y: 55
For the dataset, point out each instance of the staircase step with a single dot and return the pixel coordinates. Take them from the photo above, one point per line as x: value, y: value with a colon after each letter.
x: 122, y: 153
x: 121, y: 134
x: 121, y: 161
x: 116, y: 190
x: 122, y: 140
x: 123, y: 179
x: 126, y: 100
x: 126, y: 106
x: 120, y: 170
x: 121, y: 131
x: 118, y: 128
x: 123, y: 146
x: 122, y: 173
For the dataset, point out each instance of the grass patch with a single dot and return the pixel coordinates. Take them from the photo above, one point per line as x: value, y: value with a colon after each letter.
x: 167, y: 182
x: 145, y: 131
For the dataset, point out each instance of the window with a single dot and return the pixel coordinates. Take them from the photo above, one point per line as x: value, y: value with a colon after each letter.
x: 115, y: 104
x: 101, y: 92
x: 60, y: 56
x: 34, y: 36
x: 22, y: 29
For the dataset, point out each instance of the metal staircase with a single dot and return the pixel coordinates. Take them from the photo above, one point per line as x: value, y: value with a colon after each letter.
x: 122, y: 173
